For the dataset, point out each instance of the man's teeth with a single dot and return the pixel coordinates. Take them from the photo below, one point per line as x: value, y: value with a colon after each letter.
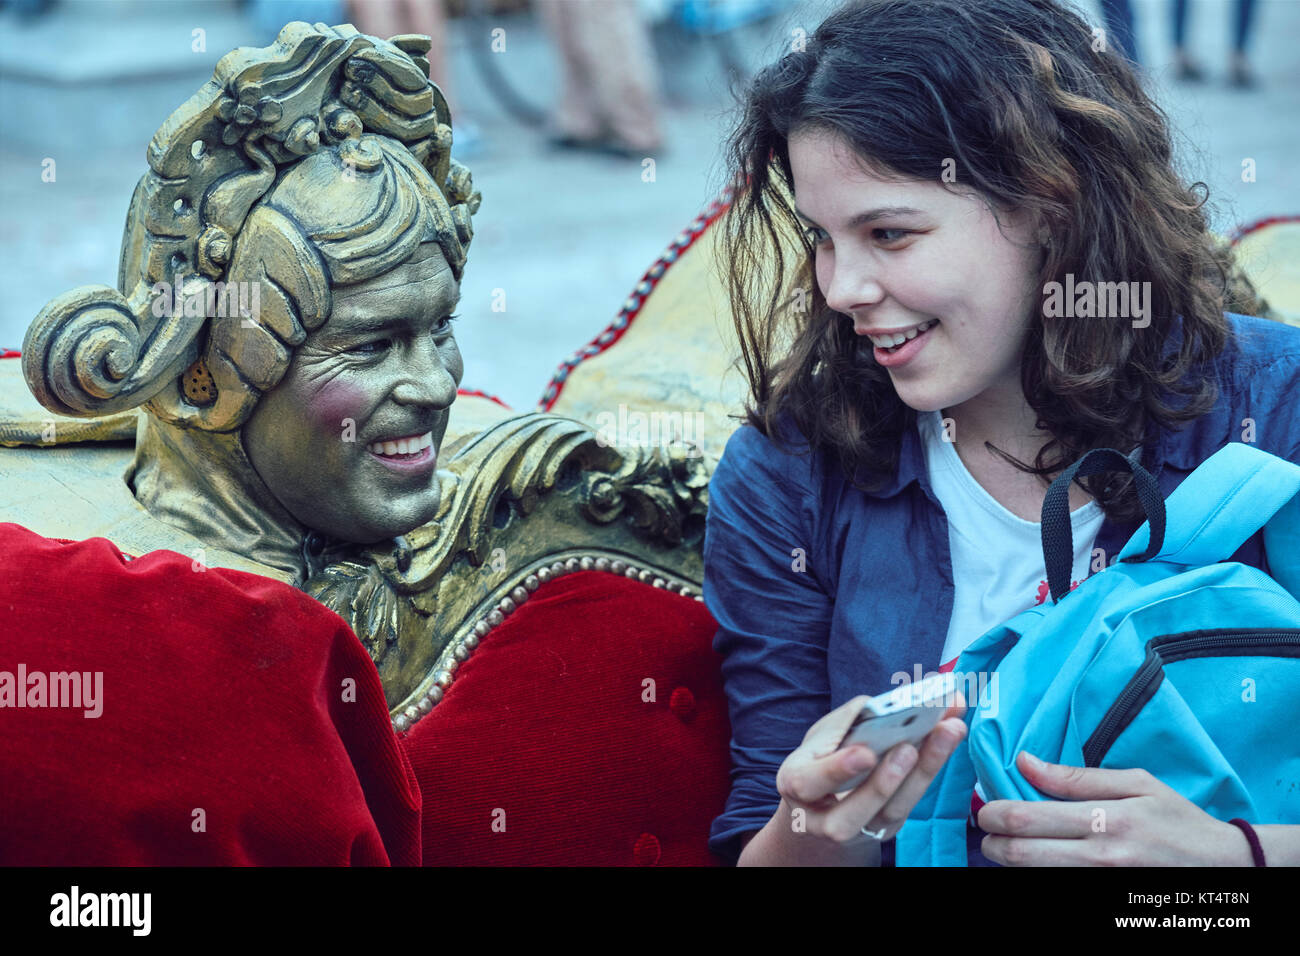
x: 403, y: 446
x: 898, y: 338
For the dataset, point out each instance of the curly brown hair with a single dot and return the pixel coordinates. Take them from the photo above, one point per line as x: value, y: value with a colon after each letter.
x: 1039, y: 117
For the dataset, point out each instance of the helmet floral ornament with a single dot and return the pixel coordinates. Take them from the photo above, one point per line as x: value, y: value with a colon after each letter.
x: 304, y: 178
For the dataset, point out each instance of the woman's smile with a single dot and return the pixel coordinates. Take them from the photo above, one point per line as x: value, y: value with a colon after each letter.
x: 898, y: 346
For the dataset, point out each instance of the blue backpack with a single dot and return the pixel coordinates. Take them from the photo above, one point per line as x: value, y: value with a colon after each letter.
x: 1173, y: 660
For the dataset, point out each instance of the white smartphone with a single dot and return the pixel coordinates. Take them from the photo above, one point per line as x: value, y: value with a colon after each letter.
x: 904, y: 715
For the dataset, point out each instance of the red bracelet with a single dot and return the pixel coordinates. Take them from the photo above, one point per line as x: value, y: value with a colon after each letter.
x: 1252, y: 838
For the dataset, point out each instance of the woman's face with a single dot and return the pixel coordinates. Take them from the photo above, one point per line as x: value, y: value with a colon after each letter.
x: 348, y: 441
x: 916, y: 258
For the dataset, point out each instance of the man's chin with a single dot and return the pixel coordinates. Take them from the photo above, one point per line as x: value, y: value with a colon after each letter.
x: 395, y: 522
x: 407, y: 520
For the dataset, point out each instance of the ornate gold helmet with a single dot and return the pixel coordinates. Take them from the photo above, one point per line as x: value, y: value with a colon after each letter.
x: 229, y: 253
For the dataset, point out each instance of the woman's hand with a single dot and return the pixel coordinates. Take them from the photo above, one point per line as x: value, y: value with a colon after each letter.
x: 1107, y: 818
x: 810, y: 777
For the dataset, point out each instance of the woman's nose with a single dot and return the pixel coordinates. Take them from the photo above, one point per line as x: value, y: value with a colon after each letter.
x: 854, y: 283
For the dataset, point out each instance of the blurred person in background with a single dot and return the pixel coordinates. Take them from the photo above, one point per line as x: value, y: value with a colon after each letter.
x: 390, y: 18
x: 271, y: 15
x: 1120, y: 28
x: 27, y: 9
x: 610, y: 100
x: 1239, y: 72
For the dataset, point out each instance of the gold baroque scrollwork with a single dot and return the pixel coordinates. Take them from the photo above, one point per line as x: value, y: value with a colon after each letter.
x: 421, y: 605
x: 360, y: 594
x: 664, y: 492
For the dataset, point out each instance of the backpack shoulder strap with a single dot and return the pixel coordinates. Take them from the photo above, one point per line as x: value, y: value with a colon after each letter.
x: 1216, y: 509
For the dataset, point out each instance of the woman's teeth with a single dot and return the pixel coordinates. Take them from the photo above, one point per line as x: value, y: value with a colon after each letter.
x: 403, y: 446
x: 896, y: 339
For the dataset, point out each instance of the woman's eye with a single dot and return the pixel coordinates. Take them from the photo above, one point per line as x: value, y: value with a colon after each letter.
x: 890, y: 236
x: 817, y: 235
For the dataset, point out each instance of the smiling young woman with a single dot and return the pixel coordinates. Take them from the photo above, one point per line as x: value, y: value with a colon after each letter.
x: 944, y: 161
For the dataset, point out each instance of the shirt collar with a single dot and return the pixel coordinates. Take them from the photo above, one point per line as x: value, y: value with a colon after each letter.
x: 912, y: 464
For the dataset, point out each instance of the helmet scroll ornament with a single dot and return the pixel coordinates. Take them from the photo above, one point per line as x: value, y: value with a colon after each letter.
x: 326, y: 98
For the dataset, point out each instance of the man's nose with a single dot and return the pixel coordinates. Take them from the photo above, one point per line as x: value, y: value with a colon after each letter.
x: 426, y: 379
x: 855, y: 283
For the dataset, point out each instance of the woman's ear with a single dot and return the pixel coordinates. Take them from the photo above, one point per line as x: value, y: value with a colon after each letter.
x: 1043, y: 232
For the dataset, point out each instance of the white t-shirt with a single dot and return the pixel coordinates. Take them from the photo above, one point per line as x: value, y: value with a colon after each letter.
x: 997, y: 557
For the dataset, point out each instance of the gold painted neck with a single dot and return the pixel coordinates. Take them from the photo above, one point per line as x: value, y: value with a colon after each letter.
x: 203, y: 483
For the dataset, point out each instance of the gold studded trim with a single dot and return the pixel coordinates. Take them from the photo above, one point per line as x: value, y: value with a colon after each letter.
x: 513, y: 596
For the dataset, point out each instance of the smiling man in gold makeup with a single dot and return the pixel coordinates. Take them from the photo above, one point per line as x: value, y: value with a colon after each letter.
x: 348, y: 441
x: 317, y: 172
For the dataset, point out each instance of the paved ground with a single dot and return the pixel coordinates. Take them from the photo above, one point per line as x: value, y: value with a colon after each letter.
x: 564, y: 236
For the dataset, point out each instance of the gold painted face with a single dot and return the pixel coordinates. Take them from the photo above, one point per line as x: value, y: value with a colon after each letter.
x: 348, y: 440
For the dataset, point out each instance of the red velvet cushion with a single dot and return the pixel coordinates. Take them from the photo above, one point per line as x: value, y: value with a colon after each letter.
x: 221, y: 691
x: 545, y: 730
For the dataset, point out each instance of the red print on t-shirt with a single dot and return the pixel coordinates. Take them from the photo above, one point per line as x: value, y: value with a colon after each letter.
x: 1044, y: 589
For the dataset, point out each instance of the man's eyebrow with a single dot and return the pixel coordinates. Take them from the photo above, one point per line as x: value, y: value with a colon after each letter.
x: 351, y: 327
x: 366, y: 326
x: 871, y: 215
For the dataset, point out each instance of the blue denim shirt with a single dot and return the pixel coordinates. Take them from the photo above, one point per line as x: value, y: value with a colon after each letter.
x: 876, y: 594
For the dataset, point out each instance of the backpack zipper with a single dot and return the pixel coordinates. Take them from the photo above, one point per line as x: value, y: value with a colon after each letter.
x: 1169, y: 648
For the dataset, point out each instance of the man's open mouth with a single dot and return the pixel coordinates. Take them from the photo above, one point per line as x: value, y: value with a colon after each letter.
x: 409, y: 448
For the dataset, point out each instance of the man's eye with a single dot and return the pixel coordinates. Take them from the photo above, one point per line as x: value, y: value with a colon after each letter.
x: 444, y: 324
x: 817, y: 235
x: 373, y: 347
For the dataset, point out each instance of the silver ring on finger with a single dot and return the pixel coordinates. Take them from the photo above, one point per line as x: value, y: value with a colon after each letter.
x: 875, y: 834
